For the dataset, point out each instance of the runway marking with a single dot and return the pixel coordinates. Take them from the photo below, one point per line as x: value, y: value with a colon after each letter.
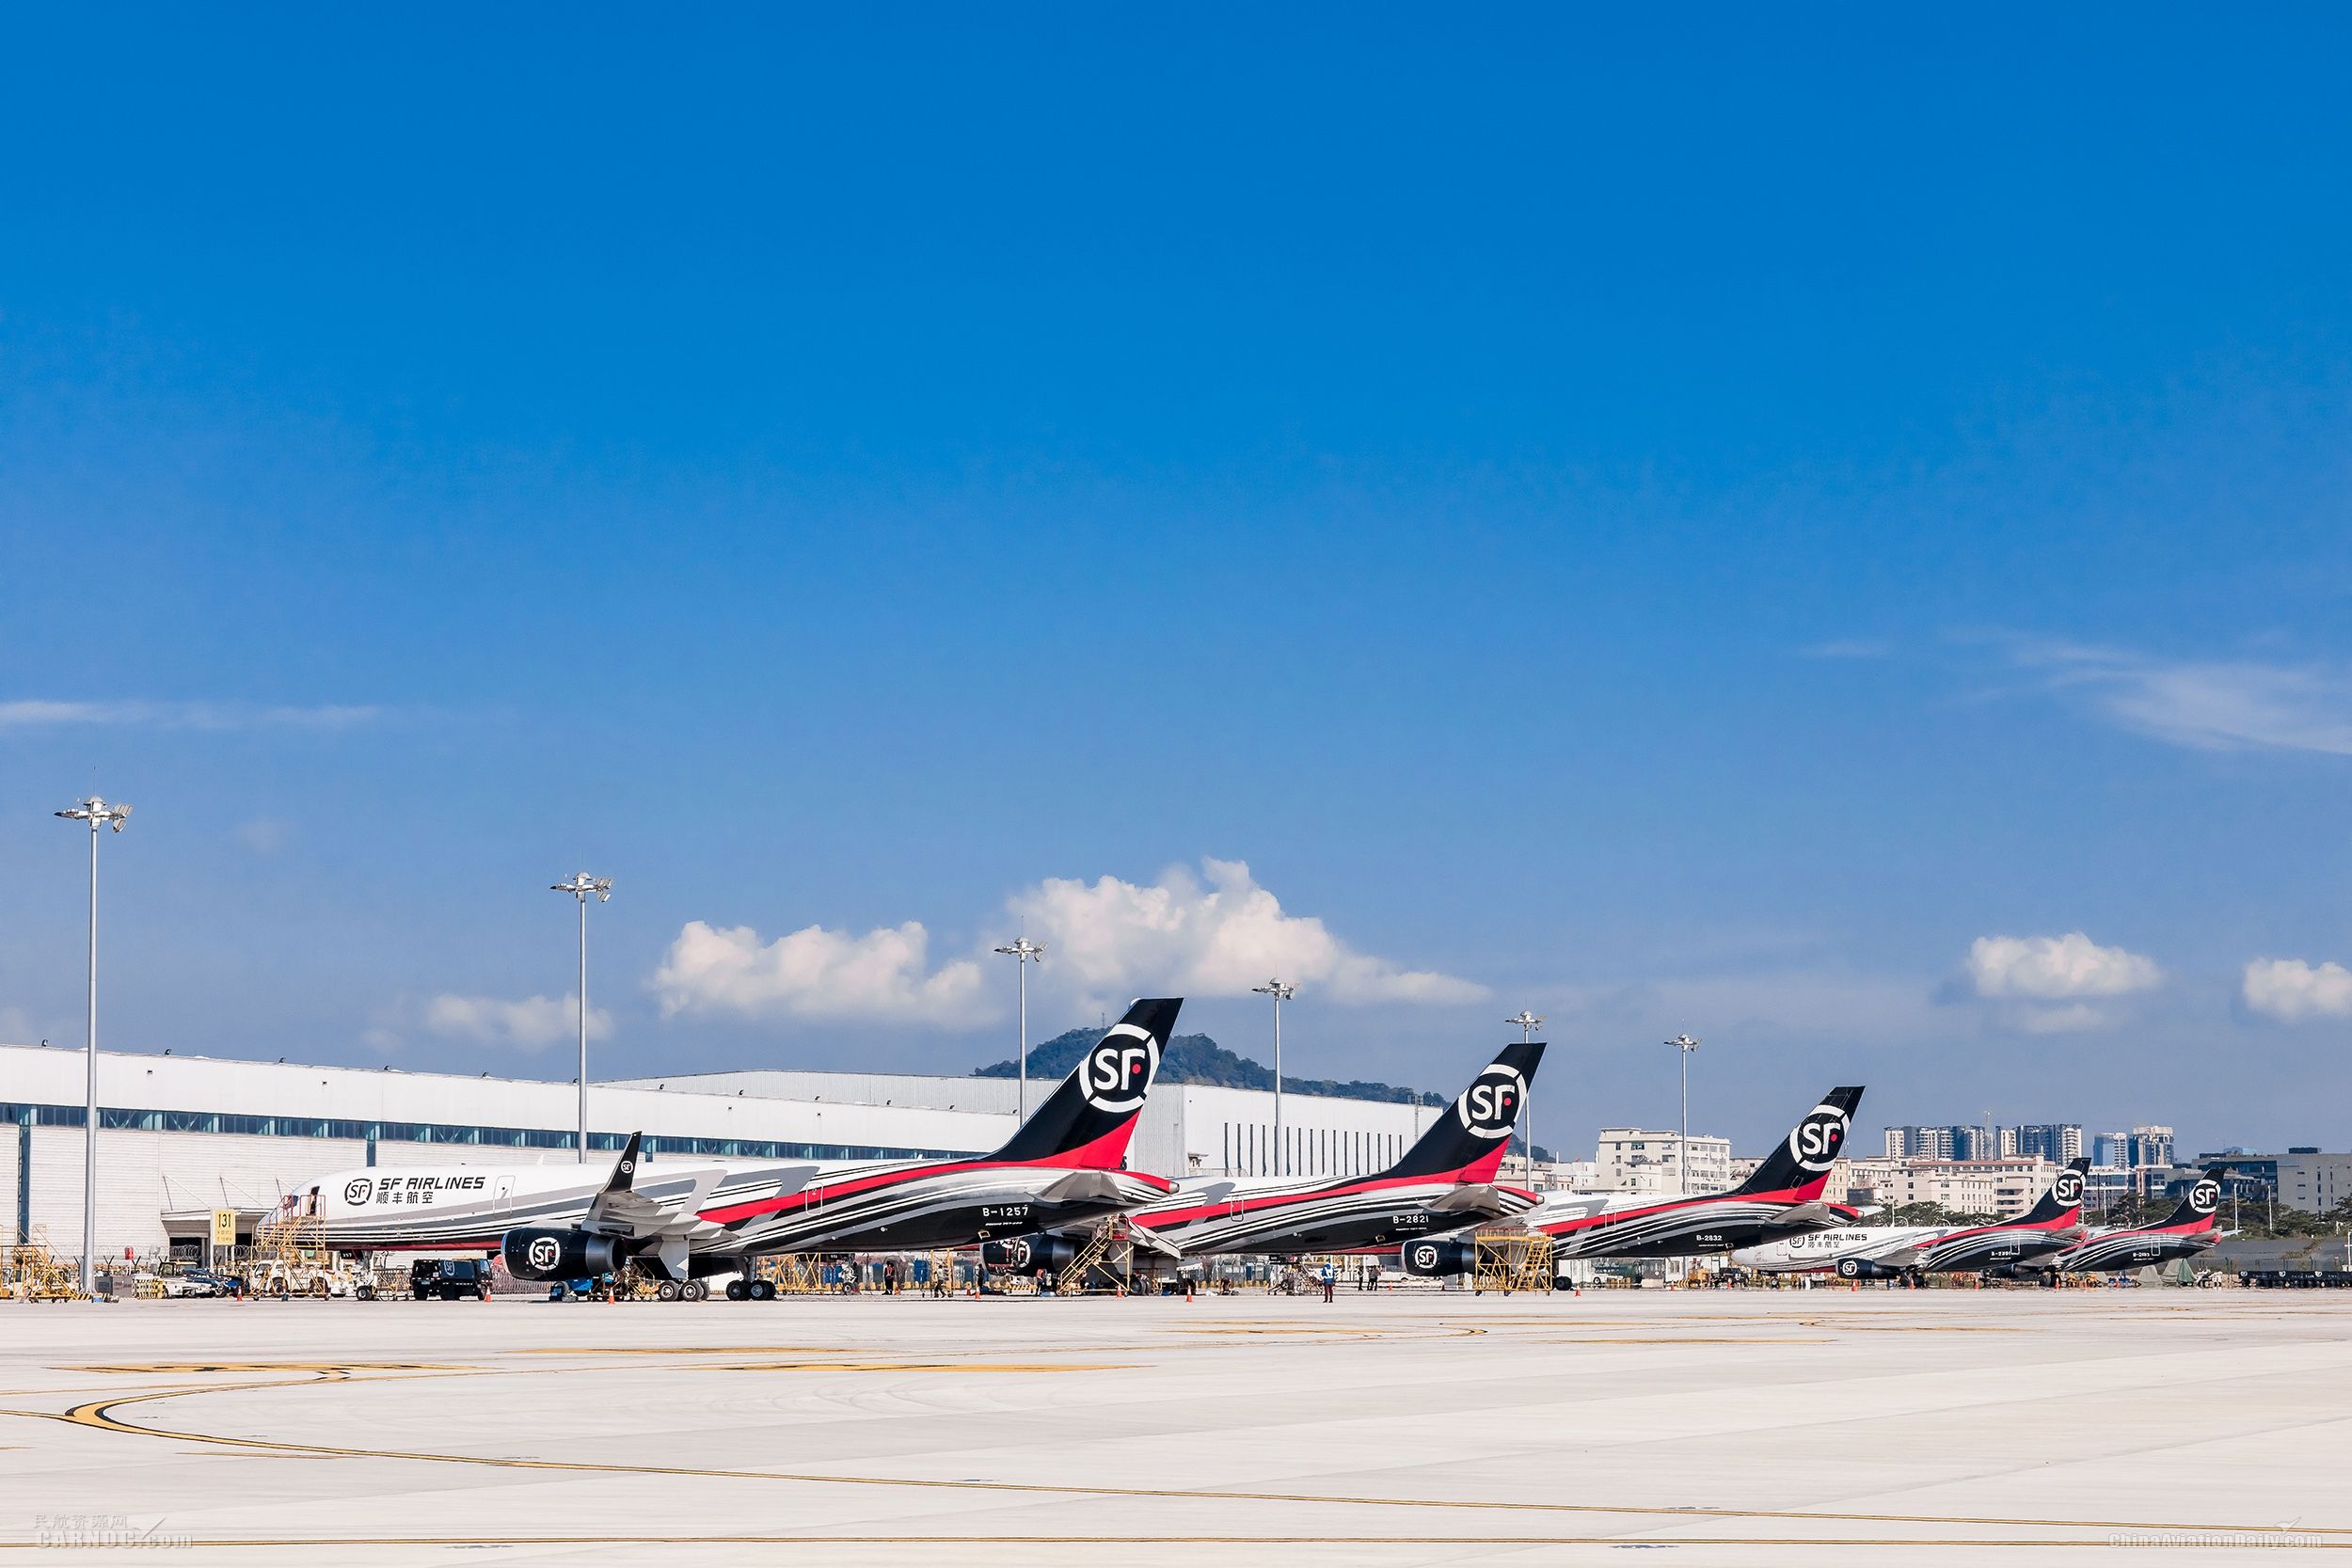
x: 2249, y: 1538
x: 1678, y: 1339
x: 344, y: 1368
x: 99, y: 1416
x: 688, y: 1350
x: 913, y: 1367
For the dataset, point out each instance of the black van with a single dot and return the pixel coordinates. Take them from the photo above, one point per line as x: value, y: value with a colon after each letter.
x: 452, y: 1279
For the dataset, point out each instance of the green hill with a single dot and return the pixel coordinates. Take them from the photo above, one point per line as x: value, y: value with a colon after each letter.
x: 1198, y: 1060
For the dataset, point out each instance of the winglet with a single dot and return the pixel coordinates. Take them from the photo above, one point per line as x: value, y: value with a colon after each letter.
x: 624, y: 1176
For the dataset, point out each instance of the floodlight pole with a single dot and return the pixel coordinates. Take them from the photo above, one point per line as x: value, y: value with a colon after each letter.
x: 579, y: 887
x: 1685, y: 1044
x: 1280, y: 993
x: 1528, y: 1024
x: 97, y: 812
x: 1023, y: 952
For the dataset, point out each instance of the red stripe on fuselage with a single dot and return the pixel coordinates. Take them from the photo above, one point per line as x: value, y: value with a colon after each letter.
x: 1344, y: 1187
x: 1587, y: 1222
x: 811, y: 1196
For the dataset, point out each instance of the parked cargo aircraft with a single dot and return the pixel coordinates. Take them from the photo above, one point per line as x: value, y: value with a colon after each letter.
x: 689, y: 1218
x: 2188, y: 1233
x: 1782, y: 1198
x: 1887, y: 1251
x: 1442, y: 1183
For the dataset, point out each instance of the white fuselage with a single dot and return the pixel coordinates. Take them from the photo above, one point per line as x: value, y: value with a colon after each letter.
x: 740, y: 1207
x: 1275, y: 1216
x: 1822, y: 1250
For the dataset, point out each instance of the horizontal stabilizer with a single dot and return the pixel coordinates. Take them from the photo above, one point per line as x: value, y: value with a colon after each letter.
x: 1473, y: 1198
x: 1084, y: 1187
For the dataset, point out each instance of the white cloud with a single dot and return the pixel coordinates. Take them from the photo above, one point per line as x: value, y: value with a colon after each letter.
x: 2292, y: 990
x: 2047, y: 968
x: 27, y: 713
x: 1110, y: 939
x: 2053, y: 983
x: 2215, y: 705
x: 530, y: 1024
x: 1106, y: 941
x: 816, y: 973
x: 1850, y: 647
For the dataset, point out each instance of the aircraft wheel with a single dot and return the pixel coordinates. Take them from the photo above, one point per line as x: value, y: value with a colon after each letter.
x: 666, y: 1291
x: 696, y: 1290
x: 738, y: 1290
x: 763, y: 1289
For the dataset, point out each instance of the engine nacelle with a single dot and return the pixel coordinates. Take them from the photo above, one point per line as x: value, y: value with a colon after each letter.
x: 560, y: 1253
x: 1861, y: 1268
x: 1033, y: 1254
x: 1439, y: 1258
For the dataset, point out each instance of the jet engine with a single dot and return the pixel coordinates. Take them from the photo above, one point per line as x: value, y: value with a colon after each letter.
x: 560, y: 1253
x: 1861, y: 1268
x: 1437, y: 1259
x: 1032, y: 1254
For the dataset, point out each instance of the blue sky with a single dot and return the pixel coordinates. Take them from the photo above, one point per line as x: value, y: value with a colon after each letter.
x: 1827, y: 534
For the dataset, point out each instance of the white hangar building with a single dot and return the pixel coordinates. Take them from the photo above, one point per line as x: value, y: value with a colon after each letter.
x: 180, y: 1136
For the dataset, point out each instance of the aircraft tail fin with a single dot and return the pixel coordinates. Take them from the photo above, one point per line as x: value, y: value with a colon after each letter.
x: 1799, y: 1165
x: 1467, y: 1140
x: 1088, y: 1122
x: 2062, y: 1205
x: 2199, y: 1204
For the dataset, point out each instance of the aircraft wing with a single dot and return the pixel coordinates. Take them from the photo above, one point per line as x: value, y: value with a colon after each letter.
x: 1901, y: 1257
x: 1816, y: 1215
x: 621, y: 1210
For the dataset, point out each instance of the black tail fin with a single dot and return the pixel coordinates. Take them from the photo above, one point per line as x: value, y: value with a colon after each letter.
x: 1086, y: 1123
x: 624, y: 1176
x: 1799, y: 1166
x: 1469, y: 1139
x: 2063, y: 1202
x: 2199, y: 1202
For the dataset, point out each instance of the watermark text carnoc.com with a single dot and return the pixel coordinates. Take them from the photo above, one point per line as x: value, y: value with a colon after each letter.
x: 102, y: 1530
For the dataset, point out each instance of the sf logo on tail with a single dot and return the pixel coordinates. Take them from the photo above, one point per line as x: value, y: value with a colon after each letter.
x: 1119, y: 1069
x: 2069, y: 1188
x: 2204, y: 1197
x: 1819, y: 1137
x: 1490, y: 1108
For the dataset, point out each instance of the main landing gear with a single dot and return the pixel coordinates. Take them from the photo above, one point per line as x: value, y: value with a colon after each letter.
x: 750, y: 1290
x: 692, y: 1290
